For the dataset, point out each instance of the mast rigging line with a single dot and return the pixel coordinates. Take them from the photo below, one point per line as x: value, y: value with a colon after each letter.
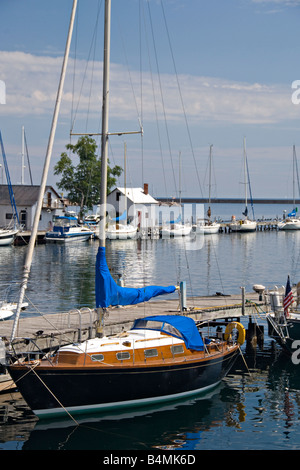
x: 161, y: 94
x: 31, y: 245
x: 92, y: 48
x: 154, y: 103
x: 180, y: 94
x: 9, y: 185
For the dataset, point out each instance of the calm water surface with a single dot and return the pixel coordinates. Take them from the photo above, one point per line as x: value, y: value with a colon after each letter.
x: 256, y: 407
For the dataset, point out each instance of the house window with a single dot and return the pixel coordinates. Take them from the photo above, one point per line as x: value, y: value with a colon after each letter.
x: 8, y: 216
x: 118, y: 196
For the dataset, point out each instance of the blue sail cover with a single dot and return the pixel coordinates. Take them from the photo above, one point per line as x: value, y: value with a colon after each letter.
x: 293, y: 213
x: 109, y: 293
x: 121, y: 217
x: 185, y: 326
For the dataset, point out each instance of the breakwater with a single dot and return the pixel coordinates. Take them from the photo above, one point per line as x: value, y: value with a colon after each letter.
x: 197, y: 200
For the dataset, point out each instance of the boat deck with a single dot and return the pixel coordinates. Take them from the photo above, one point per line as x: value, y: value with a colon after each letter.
x: 62, y: 328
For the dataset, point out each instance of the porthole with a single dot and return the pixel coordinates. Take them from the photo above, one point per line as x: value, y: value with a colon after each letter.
x: 151, y: 352
x: 123, y: 355
x: 177, y: 349
x: 97, y: 357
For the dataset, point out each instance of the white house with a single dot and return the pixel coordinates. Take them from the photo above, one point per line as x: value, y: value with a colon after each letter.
x: 26, y: 197
x: 135, y: 204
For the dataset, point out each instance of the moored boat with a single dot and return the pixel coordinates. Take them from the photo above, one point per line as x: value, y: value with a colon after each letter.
x: 7, y: 236
x: 246, y: 224
x: 284, y: 317
x: 290, y: 223
x: 176, y: 230
x: 207, y: 227
x: 9, y: 233
x: 66, y: 229
x: 243, y: 225
x: 121, y: 231
x: 161, y: 358
x: 8, y: 309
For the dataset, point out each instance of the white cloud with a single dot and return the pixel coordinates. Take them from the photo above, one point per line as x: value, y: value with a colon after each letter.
x: 31, y: 85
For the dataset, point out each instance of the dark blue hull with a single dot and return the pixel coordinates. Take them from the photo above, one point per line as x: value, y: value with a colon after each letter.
x: 84, y: 390
x: 291, y: 333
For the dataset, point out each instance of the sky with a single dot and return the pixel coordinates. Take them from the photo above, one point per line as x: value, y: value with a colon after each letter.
x: 192, y: 73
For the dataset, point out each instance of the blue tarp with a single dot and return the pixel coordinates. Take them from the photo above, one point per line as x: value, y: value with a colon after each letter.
x: 109, y: 293
x: 65, y: 217
x: 185, y: 325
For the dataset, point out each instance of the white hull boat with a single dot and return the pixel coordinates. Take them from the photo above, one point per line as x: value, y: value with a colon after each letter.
x: 176, y: 230
x: 7, y: 309
x: 245, y: 225
x: 208, y: 228
x: 66, y: 229
x: 7, y: 236
x: 121, y: 232
x: 289, y: 224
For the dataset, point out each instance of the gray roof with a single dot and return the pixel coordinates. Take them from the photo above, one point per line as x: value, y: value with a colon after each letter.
x: 25, y: 195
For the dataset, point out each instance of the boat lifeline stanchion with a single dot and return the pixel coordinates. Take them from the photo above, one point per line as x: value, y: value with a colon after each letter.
x: 183, y: 305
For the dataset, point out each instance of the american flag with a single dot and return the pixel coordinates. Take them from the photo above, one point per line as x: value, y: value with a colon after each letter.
x: 288, y: 298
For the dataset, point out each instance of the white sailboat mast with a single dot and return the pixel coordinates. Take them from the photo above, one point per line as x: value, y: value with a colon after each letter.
x: 245, y: 172
x: 32, y: 240
x: 105, y: 109
x: 23, y: 154
x: 209, y: 187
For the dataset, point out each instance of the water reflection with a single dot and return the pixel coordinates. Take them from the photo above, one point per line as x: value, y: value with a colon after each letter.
x: 62, y: 277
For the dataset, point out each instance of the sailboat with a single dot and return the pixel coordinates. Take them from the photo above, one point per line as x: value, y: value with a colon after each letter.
x: 209, y: 226
x: 246, y: 224
x: 9, y: 233
x: 119, y: 228
x: 176, y: 228
x: 162, y: 357
x: 292, y: 222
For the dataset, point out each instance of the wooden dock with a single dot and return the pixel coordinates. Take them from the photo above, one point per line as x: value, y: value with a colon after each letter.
x: 262, y: 225
x: 57, y: 329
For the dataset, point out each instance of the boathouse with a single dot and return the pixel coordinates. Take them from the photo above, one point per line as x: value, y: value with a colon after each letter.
x: 26, y: 197
x: 134, y: 204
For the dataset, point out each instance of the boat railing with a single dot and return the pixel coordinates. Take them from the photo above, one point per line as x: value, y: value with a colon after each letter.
x: 79, y: 313
x: 280, y: 328
x: 33, y: 353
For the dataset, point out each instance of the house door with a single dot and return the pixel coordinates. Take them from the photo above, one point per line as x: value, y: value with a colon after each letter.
x: 23, y: 219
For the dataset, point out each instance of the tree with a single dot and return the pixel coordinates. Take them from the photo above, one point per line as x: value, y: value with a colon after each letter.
x: 82, y: 182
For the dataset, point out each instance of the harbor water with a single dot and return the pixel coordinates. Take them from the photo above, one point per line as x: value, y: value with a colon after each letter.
x: 255, y: 408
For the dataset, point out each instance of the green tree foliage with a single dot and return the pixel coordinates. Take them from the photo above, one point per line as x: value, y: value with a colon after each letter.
x: 81, y: 182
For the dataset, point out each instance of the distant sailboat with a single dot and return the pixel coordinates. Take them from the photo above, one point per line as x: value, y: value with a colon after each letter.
x: 176, y: 228
x: 208, y: 226
x: 119, y: 228
x: 8, y: 234
x: 246, y: 224
x: 292, y: 222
